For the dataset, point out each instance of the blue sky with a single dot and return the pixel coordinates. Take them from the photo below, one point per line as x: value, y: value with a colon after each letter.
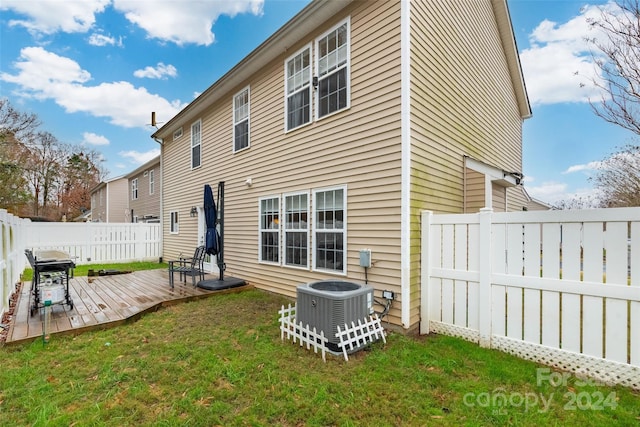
x: 94, y: 70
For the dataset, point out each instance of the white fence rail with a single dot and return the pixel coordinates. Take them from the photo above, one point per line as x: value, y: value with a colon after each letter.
x: 98, y: 242
x: 557, y: 287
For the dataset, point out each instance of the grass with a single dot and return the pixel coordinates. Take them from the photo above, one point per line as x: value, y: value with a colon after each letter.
x: 220, y: 361
x: 83, y: 270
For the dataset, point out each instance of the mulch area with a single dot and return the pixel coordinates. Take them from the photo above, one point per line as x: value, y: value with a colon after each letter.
x: 8, y: 315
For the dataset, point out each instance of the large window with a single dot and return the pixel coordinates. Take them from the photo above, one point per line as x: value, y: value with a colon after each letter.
x: 134, y: 189
x: 330, y: 229
x: 270, y: 229
x: 332, y: 51
x: 241, y: 129
x: 296, y: 229
x: 196, y: 136
x: 174, y: 223
x: 298, y: 89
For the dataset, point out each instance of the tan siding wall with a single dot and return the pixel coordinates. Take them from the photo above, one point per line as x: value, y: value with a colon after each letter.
x: 516, y: 199
x: 118, y: 203
x: 462, y: 103
x: 146, y: 204
x: 498, y: 198
x: 359, y: 148
x: 474, y: 192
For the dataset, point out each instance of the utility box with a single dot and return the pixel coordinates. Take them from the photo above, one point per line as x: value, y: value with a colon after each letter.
x: 365, y: 258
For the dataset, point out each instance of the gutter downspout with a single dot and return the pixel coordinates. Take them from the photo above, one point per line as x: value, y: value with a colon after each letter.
x: 161, y: 216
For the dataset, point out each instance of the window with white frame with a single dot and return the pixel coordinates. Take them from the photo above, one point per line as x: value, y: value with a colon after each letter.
x: 270, y: 230
x: 174, y: 222
x: 134, y: 189
x: 298, y: 89
x: 296, y: 229
x: 152, y: 183
x: 196, y: 138
x: 241, y: 129
x: 330, y: 229
x: 333, y: 70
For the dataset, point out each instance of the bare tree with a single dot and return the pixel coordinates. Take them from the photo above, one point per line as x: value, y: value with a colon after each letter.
x: 618, y: 178
x: 617, y: 56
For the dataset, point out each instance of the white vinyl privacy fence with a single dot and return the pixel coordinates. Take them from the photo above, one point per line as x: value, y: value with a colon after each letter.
x: 98, y: 242
x: 12, y: 259
x: 557, y: 287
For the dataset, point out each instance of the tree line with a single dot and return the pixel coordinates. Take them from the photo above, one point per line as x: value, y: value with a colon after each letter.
x: 41, y: 177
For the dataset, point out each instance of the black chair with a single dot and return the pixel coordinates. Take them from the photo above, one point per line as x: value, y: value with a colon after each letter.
x: 188, y: 267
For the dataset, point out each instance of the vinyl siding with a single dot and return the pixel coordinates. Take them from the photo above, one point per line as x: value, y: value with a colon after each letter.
x: 146, y: 204
x: 474, y: 191
x: 462, y: 103
x: 358, y: 148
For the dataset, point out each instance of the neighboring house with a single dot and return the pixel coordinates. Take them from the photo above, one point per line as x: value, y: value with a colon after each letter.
x: 337, y: 131
x: 535, y: 204
x: 144, y: 192
x: 109, y: 201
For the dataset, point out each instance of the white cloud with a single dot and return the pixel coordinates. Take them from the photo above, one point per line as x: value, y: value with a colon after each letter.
x: 138, y: 157
x: 559, y: 66
x: 161, y: 71
x: 65, y: 82
x: 171, y: 21
x: 50, y: 16
x: 97, y: 39
x: 553, y: 192
x: 91, y: 138
x: 585, y: 167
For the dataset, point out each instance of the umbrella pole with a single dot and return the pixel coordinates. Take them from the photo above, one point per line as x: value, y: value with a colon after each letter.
x: 221, y: 222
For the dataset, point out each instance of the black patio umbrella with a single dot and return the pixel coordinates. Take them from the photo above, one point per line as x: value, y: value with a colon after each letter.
x: 210, y: 216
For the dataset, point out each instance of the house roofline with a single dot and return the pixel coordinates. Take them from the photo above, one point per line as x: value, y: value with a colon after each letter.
x: 155, y: 160
x: 289, y: 34
x: 508, y: 38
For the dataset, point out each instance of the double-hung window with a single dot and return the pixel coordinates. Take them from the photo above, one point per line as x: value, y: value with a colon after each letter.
x: 270, y: 230
x: 196, y: 139
x: 241, y: 130
x: 134, y: 189
x: 333, y: 51
x: 298, y: 89
x: 296, y: 229
x: 330, y: 229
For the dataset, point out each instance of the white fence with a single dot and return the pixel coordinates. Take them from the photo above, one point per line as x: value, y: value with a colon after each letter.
x: 98, y: 242
x: 12, y: 259
x: 557, y: 287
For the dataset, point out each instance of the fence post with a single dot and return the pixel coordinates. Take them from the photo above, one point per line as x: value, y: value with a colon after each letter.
x: 484, y: 286
x: 425, y: 272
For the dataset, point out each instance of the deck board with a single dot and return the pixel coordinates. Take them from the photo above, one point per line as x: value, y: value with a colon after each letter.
x: 103, y: 301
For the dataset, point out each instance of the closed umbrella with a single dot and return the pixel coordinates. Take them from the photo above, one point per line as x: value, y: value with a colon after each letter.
x: 210, y: 216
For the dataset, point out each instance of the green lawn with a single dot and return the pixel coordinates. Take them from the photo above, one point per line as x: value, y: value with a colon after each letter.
x: 83, y: 270
x: 220, y: 361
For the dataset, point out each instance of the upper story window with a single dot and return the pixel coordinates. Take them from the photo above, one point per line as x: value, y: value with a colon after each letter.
x: 333, y: 53
x: 241, y: 130
x: 270, y: 230
x: 298, y: 89
x: 134, y: 189
x: 152, y: 183
x: 330, y: 229
x: 196, y: 136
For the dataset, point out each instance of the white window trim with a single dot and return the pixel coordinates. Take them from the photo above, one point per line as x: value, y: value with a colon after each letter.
x: 311, y: 89
x: 174, y: 225
x: 284, y: 230
x: 278, y: 230
x: 348, y: 66
x: 191, y: 146
x: 152, y: 182
x: 344, y: 230
x: 233, y: 119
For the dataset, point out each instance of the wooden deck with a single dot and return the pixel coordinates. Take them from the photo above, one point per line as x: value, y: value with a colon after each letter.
x: 104, y: 301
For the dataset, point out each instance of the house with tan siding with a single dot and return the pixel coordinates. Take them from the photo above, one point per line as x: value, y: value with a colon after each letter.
x: 337, y: 131
x: 109, y: 201
x: 144, y: 192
